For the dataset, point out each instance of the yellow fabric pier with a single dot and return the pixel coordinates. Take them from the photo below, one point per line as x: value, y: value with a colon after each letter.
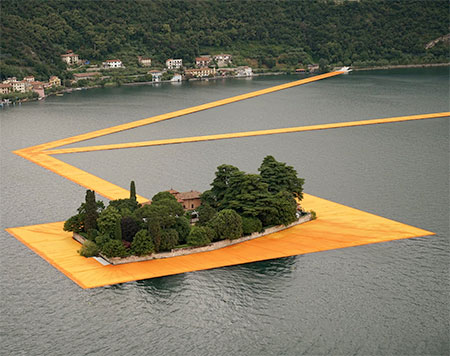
x: 337, y: 226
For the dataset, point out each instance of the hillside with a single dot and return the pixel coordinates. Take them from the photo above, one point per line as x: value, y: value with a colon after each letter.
x: 269, y: 32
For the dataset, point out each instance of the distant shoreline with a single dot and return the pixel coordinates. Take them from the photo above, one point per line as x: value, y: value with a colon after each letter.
x: 370, y: 68
x: 400, y: 66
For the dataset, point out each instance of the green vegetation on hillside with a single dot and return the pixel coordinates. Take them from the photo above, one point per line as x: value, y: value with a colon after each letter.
x: 267, y: 33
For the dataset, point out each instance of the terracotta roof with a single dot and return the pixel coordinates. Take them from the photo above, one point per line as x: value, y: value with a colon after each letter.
x: 5, y: 85
x: 173, y: 191
x: 113, y: 60
x: 193, y: 194
x: 203, y: 59
x: 69, y: 55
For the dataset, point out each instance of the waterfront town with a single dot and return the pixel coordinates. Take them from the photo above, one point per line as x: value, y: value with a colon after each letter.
x: 85, y: 74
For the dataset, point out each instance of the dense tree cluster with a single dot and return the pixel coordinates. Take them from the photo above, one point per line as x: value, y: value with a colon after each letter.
x: 237, y: 204
x: 270, y: 32
x: 260, y: 200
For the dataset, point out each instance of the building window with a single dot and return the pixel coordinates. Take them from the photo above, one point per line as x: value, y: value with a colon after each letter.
x: 192, y: 206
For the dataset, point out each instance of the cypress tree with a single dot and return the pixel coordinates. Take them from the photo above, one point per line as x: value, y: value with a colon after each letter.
x: 133, y: 191
x: 118, y: 230
x: 90, y: 220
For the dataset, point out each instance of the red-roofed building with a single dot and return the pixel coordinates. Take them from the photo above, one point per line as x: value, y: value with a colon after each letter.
x: 5, y: 88
x: 202, y: 61
x: 113, y: 63
x: 190, y: 200
x: 70, y: 58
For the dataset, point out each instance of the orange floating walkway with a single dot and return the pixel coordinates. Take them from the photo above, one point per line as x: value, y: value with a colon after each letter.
x: 337, y: 226
x: 171, y: 115
x: 247, y: 134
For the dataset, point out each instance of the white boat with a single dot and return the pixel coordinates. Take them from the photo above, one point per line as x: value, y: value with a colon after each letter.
x: 345, y: 69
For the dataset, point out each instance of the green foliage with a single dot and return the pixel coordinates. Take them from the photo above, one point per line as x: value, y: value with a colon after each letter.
x: 183, y: 228
x: 101, y: 240
x: 130, y: 226
x: 198, y: 236
x: 205, y: 213
x: 163, y: 196
x: 280, y: 177
x: 89, y: 249
x: 132, y: 191
x: 155, y: 232
x: 221, y: 183
x: 169, y: 239
x: 74, y: 223
x: 313, y: 215
x: 91, y: 215
x: 251, y: 225
x: 227, y: 224
x: 125, y: 206
x: 107, y: 220
x: 36, y: 32
x: 142, y: 243
x: 114, y: 248
x: 118, y: 230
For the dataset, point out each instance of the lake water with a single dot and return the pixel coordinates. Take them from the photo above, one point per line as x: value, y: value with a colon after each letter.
x: 388, y: 298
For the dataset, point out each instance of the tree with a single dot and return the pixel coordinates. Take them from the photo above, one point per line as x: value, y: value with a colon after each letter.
x: 163, y: 196
x: 251, y: 225
x: 283, y: 209
x: 280, y: 177
x: 224, y: 175
x: 183, y: 227
x: 125, y: 206
x: 142, y: 243
x: 118, y: 231
x: 114, y: 248
x: 107, y: 220
x: 130, y: 227
x: 74, y: 223
x: 198, y: 236
x: 227, y: 224
x: 90, y: 218
x: 169, y: 239
x: 155, y: 231
x: 132, y: 191
x: 88, y: 249
x: 323, y: 65
x: 205, y: 213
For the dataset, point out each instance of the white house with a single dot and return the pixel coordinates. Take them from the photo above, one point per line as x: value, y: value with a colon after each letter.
x: 113, y: 63
x: 144, y: 62
x: 176, y: 78
x: 156, y: 75
x: 222, y: 60
x: 70, y: 58
x: 174, y: 63
x: 244, y: 72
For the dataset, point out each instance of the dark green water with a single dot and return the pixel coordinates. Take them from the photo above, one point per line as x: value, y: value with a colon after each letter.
x: 389, y: 298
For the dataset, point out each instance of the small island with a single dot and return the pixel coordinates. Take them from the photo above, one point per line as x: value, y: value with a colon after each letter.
x: 238, y: 207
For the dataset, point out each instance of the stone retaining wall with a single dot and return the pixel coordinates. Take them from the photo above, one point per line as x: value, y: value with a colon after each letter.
x: 190, y: 250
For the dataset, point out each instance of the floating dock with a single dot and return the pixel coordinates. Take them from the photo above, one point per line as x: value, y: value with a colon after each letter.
x: 337, y: 226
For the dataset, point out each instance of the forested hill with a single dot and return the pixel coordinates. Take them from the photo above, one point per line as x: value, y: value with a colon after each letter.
x: 269, y: 32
